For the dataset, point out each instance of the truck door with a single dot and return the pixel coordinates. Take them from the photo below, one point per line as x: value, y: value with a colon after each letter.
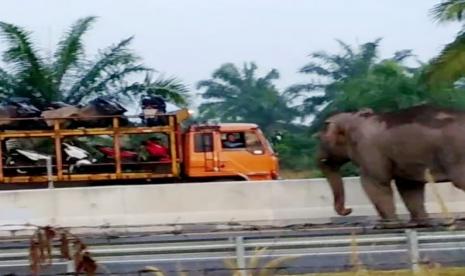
x: 244, y: 152
x: 205, y: 155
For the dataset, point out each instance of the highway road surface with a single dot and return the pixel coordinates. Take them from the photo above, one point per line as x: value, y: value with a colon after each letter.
x: 308, y: 248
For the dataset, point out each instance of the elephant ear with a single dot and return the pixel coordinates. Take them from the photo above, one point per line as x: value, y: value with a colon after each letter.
x: 334, y: 134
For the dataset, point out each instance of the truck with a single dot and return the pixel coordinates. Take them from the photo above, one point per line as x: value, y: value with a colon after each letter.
x: 196, y: 153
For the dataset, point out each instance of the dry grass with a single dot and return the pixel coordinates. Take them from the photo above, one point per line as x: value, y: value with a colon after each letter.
x: 454, y: 271
x: 71, y: 249
x: 253, y: 266
x: 425, y: 271
x: 444, y: 210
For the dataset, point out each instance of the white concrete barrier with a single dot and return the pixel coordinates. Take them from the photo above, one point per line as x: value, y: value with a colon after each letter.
x: 195, y: 203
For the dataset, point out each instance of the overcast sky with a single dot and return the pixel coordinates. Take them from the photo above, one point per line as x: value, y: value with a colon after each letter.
x: 190, y: 38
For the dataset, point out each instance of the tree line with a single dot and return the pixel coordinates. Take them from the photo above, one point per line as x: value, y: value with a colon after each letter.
x: 354, y: 77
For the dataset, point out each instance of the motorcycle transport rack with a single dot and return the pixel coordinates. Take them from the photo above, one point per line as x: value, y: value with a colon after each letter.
x: 61, y: 174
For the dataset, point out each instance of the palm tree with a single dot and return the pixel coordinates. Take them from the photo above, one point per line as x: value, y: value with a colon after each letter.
x: 338, y: 79
x: 68, y: 76
x: 235, y: 95
x: 448, y: 67
x: 329, y: 71
x: 449, y: 11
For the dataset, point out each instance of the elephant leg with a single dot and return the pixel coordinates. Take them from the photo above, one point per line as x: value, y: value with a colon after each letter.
x: 457, y: 176
x: 381, y: 195
x: 413, y: 195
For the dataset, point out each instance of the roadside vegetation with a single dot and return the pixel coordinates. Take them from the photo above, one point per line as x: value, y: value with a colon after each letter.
x: 356, y: 76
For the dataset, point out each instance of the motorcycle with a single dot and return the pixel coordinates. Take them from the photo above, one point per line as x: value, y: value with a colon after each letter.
x: 109, y: 154
x: 21, y: 108
x: 76, y: 157
x: 31, y: 162
x: 155, y: 151
x: 153, y: 110
x: 83, y: 116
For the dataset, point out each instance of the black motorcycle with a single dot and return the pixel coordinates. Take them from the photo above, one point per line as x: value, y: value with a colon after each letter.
x: 153, y: 111
x: 19, y: 108
x: 87, y: 116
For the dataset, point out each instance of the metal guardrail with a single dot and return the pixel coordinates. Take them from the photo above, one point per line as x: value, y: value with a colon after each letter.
x: 243, y: 247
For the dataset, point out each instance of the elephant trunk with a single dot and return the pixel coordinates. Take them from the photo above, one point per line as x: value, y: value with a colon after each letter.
x: 332, y: 174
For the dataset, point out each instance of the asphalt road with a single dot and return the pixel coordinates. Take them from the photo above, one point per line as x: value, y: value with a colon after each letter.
x: 310, y: 249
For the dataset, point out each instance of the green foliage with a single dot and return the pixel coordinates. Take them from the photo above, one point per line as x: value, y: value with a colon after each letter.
x: 296, y: 151
x: 71, y: 77
x: 448, y: 67
x: 449, y: 11
x: 235, y: 95
x: 386, y: 86
x: 171, y: 89
x: 356, y: 78
x: 238, y: 95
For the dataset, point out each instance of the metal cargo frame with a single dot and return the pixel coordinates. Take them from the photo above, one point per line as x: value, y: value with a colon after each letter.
x: 58, y: 134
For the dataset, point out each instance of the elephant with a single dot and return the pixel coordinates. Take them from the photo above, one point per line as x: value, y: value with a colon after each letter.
x: 394, y: 146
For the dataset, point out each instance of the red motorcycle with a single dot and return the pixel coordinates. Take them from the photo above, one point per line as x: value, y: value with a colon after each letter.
x: 156, y: 152
x: 109, y: 153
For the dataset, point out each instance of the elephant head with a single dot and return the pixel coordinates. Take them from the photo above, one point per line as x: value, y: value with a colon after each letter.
x: 335, y: 150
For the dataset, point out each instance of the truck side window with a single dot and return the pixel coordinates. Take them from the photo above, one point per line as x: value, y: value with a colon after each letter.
x: 203, y: 142
x: 253, y: 143
x: 233, y: 140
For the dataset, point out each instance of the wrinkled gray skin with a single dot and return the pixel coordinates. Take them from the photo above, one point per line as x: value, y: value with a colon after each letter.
x: 396, y: 146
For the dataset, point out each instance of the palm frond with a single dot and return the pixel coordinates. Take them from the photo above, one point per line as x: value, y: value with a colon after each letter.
x: 217, y: 90
x: 113, y: 56
x: 313, y: 68
x: 270, y: 76
x: 448, y: 11
x: 220, y: 110
x: 369, y: 51
x: 228, y: 73
x: 8, y: 84
x: 70, y: 48
x: 347, y: 48
x: 170, y: 88
x: 322, y: 55
x: 103, y: 86
x: 247, y: 97
x: 402, y: 55
x: 248, y: 71
x: 28, y: 66
x: 21, y: 50
x: 449, y: 66
x: 307, y: 87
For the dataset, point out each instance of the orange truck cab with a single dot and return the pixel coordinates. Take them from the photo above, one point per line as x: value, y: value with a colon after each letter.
x: 228, y: 151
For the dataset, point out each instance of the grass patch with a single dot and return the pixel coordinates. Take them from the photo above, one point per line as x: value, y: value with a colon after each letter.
x: 290, y: 174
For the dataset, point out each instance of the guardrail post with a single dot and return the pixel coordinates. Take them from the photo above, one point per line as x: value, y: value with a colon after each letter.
x: 414, y: 253
x: 70, y: 266
x: 240, y: 256
x: 49, y: 172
